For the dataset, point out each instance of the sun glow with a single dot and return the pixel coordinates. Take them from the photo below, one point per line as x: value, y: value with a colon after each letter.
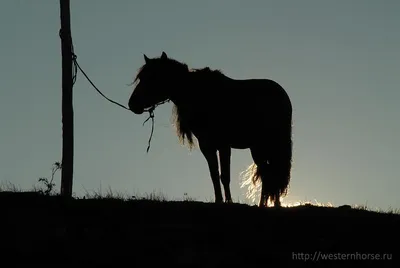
x: 254, y: 195
x: 302, y: 203
x: 253, y: 192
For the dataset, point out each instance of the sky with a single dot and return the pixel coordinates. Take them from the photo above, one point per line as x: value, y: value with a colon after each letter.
x: 339, y: 61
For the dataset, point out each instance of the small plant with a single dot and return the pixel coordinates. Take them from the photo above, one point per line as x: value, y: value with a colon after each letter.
x: 49, y: 185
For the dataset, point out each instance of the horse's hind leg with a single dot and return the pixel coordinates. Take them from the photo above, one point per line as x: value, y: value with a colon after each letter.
x: 225, y: 164
x: 210, y: 153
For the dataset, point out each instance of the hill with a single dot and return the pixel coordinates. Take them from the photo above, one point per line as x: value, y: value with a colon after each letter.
x: 50, y: 230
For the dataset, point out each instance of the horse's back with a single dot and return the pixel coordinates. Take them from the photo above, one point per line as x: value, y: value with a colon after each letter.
x: 259, y: 90
x: 253, y: 100
x: 243, y: 113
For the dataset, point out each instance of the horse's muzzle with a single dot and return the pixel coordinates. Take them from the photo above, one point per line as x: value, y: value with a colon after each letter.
x: 136, y: 110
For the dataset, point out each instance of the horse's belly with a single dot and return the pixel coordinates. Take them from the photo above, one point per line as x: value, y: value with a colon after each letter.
x: 239, y: 136
x: 240, y: 145
x: 242, y: 140
x: 238, y: 130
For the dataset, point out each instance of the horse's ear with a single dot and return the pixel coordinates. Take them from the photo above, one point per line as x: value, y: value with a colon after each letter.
x: 164, y: 55
x: 146, y: 59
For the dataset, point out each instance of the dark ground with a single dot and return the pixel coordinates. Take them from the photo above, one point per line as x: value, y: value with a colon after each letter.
x: 48, y: 230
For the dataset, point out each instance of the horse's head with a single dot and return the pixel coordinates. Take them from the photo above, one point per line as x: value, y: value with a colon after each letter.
x: 155, y: 81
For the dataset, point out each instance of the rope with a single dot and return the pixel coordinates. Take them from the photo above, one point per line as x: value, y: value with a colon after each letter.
x: 74, y: 72
x: 110, y: 100
x: 151, y: 115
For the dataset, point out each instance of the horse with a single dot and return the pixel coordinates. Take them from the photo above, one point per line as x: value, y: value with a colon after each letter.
x: 223, y: 113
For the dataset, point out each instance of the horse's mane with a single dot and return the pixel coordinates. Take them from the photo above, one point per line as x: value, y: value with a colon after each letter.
x: 180, y: 121
x: 207, y: 72
x: 181, y: 116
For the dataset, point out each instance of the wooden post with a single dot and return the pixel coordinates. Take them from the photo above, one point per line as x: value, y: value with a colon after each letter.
x: 67, y: 106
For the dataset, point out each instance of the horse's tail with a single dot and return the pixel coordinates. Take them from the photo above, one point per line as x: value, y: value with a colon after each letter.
x: 273, y: 176
x: 277, y: 184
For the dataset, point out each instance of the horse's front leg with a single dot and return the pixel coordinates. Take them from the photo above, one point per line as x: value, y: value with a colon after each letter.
x: 210, y: 153
x: 225, y: 164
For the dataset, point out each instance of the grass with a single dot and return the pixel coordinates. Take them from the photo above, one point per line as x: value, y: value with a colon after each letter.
x: 107, y: 228
x: 46, y: 187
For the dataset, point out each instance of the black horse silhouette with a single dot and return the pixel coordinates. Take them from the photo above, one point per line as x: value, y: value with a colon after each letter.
x: 224, y: 113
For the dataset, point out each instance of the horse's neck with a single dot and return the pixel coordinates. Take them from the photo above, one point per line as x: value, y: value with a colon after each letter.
x: 197, y: 90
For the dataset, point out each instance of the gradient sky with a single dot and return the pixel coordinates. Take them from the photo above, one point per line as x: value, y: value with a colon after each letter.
x: 338, y: 60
